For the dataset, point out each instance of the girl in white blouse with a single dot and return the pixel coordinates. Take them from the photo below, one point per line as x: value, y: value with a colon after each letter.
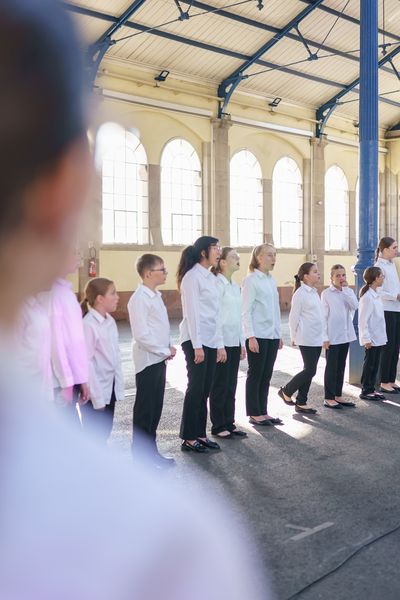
x: 106, y: 384
x: 371, y: 331
x: 223, y: 390
x: 389, y: 294
x: 306, y: 323
x: 339, y: 303
x: 200, y: 337
x: 262, y: 330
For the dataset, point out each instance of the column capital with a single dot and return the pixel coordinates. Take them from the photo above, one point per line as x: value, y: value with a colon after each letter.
x: 224, y: 123
x: 319, y: 142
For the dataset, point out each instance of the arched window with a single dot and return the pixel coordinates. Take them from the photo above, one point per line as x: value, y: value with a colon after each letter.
x: 287, y: 204
x: 336, y: 210
x: 125, y: 186
x: 181, y: 207
x: 246, y: 200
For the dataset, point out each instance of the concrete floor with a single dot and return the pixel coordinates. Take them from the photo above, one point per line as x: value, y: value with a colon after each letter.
x: 314, y: 492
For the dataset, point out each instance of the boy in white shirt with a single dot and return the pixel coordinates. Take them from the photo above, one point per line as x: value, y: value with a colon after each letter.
x: 151, y: 348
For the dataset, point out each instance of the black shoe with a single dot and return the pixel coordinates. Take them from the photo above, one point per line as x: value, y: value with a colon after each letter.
x: 327, y: 405
x: 383, y: 391
x: 282, y: 395
x: 265, y: 422
x: 397, y: 388
x: 195, y: 447
x: 374, y: 397
x: 209, y: 444
x: 275, y: 421
x: 239, y: 433
x: 302, y: 408
x: 224, y: 437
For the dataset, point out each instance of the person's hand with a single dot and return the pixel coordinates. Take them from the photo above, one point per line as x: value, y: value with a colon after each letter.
x: 198, y: 356
x: 67, y: 395
x: 293, y: 343
x: 326, y: 345
x: 84, y: 394
x: 368, y: 345
x: 253, y: 345
x: 280, y: 345
x: 173, y: 352
x: 102, y: 408
x: 242, y: 353
x: 221, y: 355
x: 344, y: 283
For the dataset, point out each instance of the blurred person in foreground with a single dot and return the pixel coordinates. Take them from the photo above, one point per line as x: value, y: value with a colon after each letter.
x: 77, y: 523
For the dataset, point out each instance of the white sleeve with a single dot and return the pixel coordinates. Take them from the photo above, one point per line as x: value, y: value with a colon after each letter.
x: 190, y: 293
x: 364, y: 313
x: 59, y: 354
x: 220, y: 289
x: 119, y: 386
x: 350, y: 298
x: 248, y: 297
x: 325, y: 312
x: 96, y: 393
x: 294, y: 315
x: 138, y: 310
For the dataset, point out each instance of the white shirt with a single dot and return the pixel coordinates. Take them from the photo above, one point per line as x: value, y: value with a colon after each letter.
x: 261, y: 314
x: 231, y: 310
x: 105, y: 370
x: 339, y: 307
x: 306, y: 317
x: 391, y: 285
x: 68, y: 348
x: 371, y: 320
x: 201, y: 323
x: 150, y: 328
x: 33, y: 338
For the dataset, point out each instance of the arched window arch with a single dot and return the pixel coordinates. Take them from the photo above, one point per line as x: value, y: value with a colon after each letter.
x: 287, y: 204
x: 124, y: 186
x: 336, y: 210
x: 246, y: 200
x: 181, y: 206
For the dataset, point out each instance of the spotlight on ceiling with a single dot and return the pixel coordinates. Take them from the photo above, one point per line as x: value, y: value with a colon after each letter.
x: 162, y: 76
x: 260, y: 4
x: 275, y: 102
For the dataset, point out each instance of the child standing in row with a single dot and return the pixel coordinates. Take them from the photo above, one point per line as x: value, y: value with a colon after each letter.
x: 372, y: 331
x: 151, y: 348
x: 339, y: 303
x: 106, y: 383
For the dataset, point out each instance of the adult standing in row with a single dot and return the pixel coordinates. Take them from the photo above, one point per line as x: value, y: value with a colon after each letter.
x: 389, y: 293
x: 200, y: 336
x: 262, y: 330
x: 223, y: 391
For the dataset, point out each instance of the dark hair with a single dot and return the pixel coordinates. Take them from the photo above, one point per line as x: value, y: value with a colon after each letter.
x: 224, y: 253
x: 253, y: 264
x: 304, y: 269
x: 336, y: 267
x: 146, y: 262
x: 41, y: 96
x: 370, y: 275
x: 384, y: 242
x: 191, y: 255
x: 94, y: 287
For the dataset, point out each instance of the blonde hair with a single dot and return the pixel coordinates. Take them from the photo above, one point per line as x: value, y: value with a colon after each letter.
x: 94, y: 287
x: 223, y: 256
x: 253, y: 264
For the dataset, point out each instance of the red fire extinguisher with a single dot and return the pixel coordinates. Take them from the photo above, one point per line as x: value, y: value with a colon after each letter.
x: 92, y: 262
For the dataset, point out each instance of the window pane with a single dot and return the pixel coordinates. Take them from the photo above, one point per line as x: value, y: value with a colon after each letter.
x: 336, y: 210
x: 287, y: 204
x: 246, y: 200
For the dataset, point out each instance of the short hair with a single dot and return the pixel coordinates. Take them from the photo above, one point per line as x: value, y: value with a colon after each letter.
x: 146, y: 262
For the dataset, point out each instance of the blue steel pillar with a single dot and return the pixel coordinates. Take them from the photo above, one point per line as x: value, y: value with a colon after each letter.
x: 368, y: 154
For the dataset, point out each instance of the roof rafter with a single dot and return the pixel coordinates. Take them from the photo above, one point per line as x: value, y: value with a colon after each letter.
x: 230, y: 83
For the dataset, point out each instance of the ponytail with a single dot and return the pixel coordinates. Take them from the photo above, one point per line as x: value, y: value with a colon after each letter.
x: 370, y: 275
x: 84, y: 306
x: 297, y: 282
x: 94, y: 287
x: 304, y: 269
x: 384, y: 243
x: 192, y: 255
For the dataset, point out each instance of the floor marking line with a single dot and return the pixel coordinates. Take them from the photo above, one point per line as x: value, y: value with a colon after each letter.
x: 307, y: 531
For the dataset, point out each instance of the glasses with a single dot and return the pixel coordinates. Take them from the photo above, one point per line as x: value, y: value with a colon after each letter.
x: 163, y: 270
x: 216, y: 246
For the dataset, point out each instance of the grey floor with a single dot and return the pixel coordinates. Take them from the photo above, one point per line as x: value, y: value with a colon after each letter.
x: 318, y: 494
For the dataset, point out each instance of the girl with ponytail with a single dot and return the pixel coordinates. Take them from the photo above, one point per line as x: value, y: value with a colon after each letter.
x: 307, y: 331
x: 200, y: 336
x: 389, y: 294
x: 372, y: 333
x: 106, y: 384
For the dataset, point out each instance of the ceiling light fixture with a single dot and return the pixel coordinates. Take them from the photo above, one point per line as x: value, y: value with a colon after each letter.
x: 162, y: 76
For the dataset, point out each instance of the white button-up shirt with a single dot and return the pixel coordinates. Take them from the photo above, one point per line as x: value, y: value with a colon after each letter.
x: 150, y: 328
x: 371, y: 320
x: 231, y: 312
x: 391, y: 285
x: 201, y: 323
x: 261, y: 314
x: 68, y: 348
x: 105, y: 371
x: 339, y: 307
x: 306, y: 317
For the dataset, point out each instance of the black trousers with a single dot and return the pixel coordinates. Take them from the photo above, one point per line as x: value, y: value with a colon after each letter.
x: 150, y: 388
x: 336, y: 357
x: 370, y: 369
x: 200, y: 378
x: 98, y: 423
x: 259, y: 375
x: 390, y: 352
x: 302, y: 380
x: 223, y: 391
